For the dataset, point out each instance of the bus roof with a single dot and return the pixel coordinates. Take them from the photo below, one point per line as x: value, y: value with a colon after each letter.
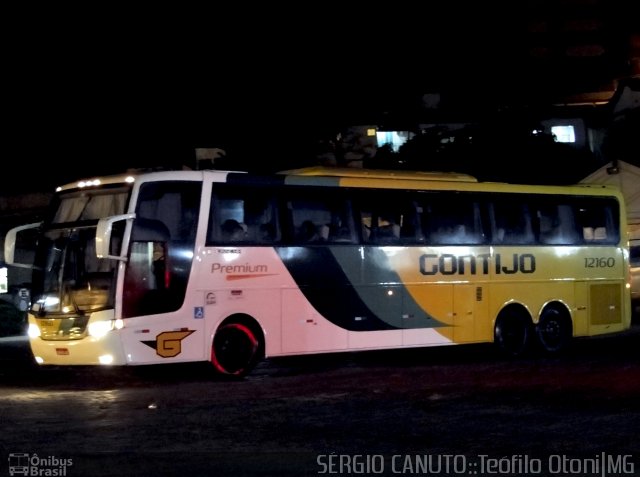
x: 343, y: 176
x: 379, y: 174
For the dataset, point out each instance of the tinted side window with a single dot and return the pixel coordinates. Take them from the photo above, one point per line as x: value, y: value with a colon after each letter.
x: 451, y: 219
x: 564, y: 220
x: 389, y: 217
x: 317, y: 215
x: 243, y: 216
x: 598, y: 220
x: 511, y: 221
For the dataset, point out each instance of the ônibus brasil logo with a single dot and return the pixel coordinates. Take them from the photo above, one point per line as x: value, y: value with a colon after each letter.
x: 22, y: 463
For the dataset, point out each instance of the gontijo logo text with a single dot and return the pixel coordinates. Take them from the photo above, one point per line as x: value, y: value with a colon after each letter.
x: 449, y: 264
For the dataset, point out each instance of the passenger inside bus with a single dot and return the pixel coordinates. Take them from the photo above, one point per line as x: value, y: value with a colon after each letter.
x: 308, y: 233
x: 388, y: 228
x: 232, y: 231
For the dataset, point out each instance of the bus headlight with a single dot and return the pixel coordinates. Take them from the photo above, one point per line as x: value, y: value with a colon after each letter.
x: 105, y: 359
x: 98, y: 329
x: 33, y: 331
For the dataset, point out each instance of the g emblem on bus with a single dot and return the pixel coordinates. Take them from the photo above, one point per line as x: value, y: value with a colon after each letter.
x: 168, y: 344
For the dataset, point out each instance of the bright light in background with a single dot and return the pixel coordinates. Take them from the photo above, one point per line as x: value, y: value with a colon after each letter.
x: 564, y: 133
x: 394, y: 138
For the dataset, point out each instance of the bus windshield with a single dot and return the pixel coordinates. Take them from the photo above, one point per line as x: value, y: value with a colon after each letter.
x: 89, y: 205
x: 68, y: 277
x: 73, y: 280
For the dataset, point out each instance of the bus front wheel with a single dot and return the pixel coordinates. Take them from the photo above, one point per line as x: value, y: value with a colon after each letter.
x: 235, y: 350
x: 512, y: 333
x: 553, y: 330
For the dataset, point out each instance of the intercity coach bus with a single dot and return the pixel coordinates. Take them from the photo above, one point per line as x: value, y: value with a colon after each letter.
x: 231, y: 268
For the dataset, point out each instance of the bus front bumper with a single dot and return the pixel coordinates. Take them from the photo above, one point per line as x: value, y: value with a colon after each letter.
x: 105, y: 351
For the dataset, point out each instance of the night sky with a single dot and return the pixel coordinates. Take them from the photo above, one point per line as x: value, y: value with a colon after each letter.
x: 121, y: 90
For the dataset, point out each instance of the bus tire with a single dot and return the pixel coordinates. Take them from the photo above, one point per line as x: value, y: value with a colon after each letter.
x: 235, y: 350
x: 554, y: 330
x: 512, y: 333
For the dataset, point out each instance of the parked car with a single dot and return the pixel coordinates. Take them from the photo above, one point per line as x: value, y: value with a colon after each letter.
x: 12, y: 321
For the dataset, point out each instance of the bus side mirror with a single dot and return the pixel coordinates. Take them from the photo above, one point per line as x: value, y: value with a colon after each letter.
x: 10, y: 244
x: 103, y: 236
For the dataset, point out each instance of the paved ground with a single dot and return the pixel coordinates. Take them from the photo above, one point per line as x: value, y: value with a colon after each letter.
x: 401, y: 411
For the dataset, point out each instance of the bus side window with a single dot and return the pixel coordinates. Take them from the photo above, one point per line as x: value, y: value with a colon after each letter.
x: 308, y: 216
x: 390, y: 218
x: 557, y: 225
x: 511, y: 222
x: 453, y: 220
x: 595, y: 219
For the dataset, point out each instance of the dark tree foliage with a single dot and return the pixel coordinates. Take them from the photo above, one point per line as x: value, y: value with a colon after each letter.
x: 504, y: 149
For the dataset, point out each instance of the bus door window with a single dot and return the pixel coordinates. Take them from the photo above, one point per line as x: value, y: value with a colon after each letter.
x: 146, y: 280
x: 161, y: 248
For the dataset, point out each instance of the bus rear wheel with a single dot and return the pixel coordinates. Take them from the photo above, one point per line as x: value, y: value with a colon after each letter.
x: 235, y: 350
x: 512, y: 333
x: 553, y: 330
